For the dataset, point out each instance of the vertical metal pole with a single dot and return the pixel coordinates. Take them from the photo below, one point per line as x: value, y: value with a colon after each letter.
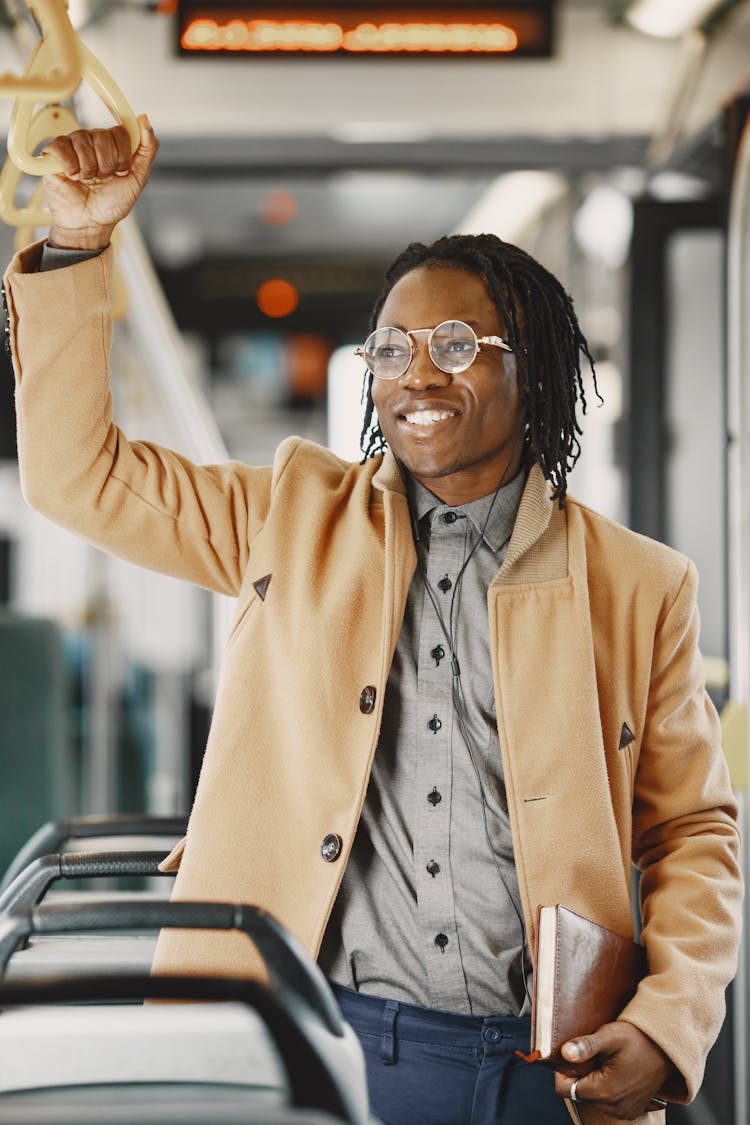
x: 164, y: 353
x: 738, y: 425
x: 100, y: 766
x: 168, y: 785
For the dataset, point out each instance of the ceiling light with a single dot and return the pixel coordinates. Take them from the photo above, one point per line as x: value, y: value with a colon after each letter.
x: 668, y: 18
x: 512, y: 203
x: 380, y: 132
x: 603, y: 225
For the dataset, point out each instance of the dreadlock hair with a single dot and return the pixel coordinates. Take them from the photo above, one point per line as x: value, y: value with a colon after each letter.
x: 540, y: 326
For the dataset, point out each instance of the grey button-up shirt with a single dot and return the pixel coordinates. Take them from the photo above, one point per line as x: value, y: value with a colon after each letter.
x: 429, y: 909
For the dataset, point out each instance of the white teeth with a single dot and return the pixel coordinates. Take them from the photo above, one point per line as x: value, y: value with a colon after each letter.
x: 427, y: 417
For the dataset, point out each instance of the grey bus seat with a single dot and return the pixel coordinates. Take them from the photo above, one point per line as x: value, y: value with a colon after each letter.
x: 321, y: 1064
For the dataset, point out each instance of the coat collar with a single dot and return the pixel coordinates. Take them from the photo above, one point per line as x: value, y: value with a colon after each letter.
x: 387, y: 477
x: 538, y: 516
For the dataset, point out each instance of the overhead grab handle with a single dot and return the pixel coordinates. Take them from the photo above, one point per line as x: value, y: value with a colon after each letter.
x: 48, y: 122
x: 20, y: 139
x: 55, y: 72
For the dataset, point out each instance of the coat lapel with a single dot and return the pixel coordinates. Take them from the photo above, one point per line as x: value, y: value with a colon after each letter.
x: 548, y: 716
x: 400, y: 555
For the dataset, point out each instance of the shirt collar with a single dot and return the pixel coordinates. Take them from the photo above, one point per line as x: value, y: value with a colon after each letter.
x: 501, y: 513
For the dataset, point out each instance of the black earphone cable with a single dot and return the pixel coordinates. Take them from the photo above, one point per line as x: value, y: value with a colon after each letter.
x: 459, y: 702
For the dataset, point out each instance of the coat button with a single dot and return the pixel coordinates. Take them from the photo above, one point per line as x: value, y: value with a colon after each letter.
x: 367, y: 700
x: 330, y: 849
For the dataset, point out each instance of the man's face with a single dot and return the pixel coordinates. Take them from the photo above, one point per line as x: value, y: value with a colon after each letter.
x: 465, y: 453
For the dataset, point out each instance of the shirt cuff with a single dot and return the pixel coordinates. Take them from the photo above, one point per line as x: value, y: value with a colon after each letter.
x: 54, y: 258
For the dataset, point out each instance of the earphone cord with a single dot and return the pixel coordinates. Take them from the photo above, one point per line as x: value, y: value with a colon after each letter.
x: 459, y: 702
x: 448, y: 632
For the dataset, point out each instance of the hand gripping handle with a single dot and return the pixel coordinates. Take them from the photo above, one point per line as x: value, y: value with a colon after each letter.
x: 20, y: 146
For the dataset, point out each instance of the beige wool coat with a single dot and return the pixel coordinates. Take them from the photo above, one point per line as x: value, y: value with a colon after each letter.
x: 591, y: 627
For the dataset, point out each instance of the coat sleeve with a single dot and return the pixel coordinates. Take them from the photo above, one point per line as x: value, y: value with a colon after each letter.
x: 686, y: 845
x: 137, y: 500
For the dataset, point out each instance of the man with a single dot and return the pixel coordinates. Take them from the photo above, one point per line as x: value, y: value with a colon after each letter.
x: 526, y: 670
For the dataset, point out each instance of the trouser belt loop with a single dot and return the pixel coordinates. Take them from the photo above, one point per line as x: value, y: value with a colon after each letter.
x: 388, y: 1041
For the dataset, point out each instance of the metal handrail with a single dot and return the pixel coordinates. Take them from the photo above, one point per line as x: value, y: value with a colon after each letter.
x: 290, y: 969
x: 738, y: 425
x: 31, y: 885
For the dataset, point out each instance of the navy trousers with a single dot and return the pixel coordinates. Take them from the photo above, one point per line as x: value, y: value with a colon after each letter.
x: 426, y: 1067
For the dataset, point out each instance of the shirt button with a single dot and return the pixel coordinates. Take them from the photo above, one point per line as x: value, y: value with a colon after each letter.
x: 437, y: 654
x: 441, y: 940
x: 330, y: 849
x: 434, y: 797
x: 367, y: 700
x: 450, y: 517
x: 445, y: 584
x: 434, y: 724
x: 491, y: 1034
x: 433, y: 868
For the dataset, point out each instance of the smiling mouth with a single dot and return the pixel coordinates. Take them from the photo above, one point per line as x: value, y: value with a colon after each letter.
x: 428, y: 417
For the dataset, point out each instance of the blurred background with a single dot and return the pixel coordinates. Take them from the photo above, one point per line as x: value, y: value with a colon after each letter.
x: 607, y: 138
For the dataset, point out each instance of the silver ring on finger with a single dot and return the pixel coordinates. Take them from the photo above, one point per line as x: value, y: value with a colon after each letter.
x: 574, y: 1091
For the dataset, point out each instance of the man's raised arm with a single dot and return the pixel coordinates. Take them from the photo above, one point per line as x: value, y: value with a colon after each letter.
x: 134, y: 499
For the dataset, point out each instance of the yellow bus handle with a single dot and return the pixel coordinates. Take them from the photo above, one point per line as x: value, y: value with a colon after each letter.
x: 54, y: 71
x: 48, y: 122
x: 20, y: 144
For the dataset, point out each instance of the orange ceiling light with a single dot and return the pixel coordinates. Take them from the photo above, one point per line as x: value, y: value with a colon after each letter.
x: 276, y: 297
x: 277, y: 208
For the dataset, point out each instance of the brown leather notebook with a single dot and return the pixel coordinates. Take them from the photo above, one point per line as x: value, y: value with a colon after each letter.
x: 584, y: 975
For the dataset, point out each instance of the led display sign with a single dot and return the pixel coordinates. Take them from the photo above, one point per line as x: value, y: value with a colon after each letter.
x: 365, y: 30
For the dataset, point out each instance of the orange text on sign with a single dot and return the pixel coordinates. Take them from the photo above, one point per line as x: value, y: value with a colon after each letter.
x: 308, y: 35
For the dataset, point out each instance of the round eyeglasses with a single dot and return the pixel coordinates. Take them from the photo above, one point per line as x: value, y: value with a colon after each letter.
x: 453, y: 346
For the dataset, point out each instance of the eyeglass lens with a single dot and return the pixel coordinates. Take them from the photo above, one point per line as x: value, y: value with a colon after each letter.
x: 452, y: 345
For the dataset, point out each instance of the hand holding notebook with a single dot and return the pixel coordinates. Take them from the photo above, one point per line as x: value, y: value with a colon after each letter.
x: 584, y: 975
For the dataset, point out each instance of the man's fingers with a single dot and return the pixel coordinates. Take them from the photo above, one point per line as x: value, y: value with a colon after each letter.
x: 123, y: 156
x: 62, y: 148
x: 629, y: 1070
x: 85, y: 147
x: 92, y: 155
x: 564, y: 1086
x: 143, y: 157
x: 107, y: 152
x: 582, y: 1049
